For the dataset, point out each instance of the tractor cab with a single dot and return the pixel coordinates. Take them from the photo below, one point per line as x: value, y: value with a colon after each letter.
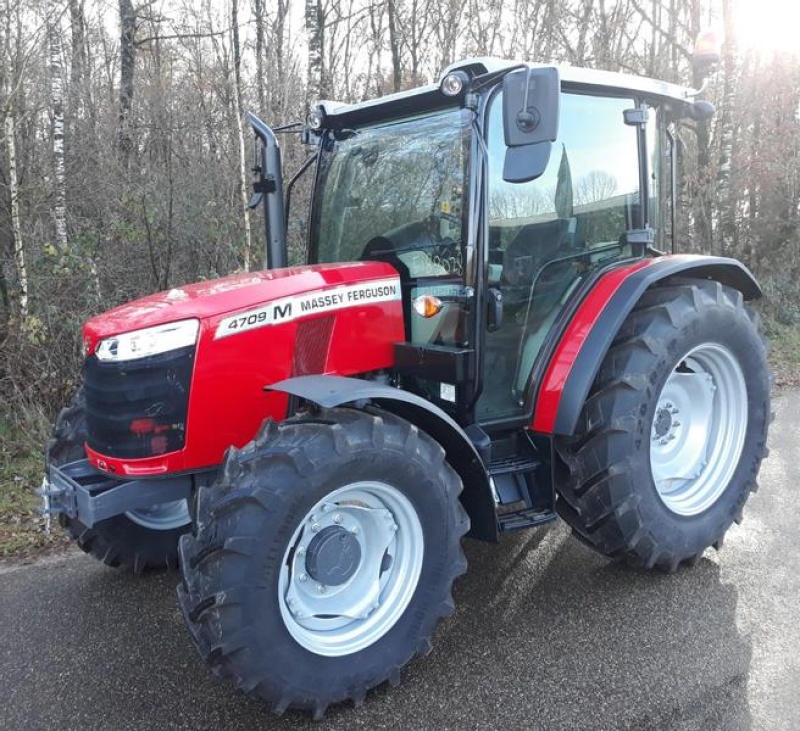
x: 498, y: 196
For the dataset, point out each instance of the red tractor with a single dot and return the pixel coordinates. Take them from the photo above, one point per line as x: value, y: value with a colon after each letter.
x: 487, y: 334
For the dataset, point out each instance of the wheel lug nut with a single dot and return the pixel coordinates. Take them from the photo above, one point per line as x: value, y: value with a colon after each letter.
x: 676, y: 423
x: 337, y: 519
x: 394, y: 527
x: 315, y: 527
x: 671, y: 437
x: 321, y: 589
x: 354, y: 531
x: 301, y: 551
x: 302, y: 577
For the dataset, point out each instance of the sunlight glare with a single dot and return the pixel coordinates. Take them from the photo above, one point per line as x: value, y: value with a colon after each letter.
x: 768, y: 25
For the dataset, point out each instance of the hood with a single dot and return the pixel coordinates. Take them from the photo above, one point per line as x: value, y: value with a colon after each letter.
x: 219, y: 296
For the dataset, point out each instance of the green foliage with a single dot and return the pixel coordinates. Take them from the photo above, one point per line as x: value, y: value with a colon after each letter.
x: 22, y: 436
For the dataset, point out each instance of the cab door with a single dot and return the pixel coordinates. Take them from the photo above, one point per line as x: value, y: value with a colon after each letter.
x: 546, y: 236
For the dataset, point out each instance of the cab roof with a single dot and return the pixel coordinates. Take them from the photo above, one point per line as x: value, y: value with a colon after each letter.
x: 429, y: 96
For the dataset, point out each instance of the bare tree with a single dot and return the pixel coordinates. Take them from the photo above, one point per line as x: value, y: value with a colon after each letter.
x: 597, y: 185
x: 10, y: 134
x: 315, y: 25
x: 57, y: 123
x: 127, y: 67
x: 725, y: 213
x: 239, y: 112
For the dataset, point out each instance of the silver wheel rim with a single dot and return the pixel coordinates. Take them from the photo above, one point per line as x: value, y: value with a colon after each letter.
x: 346, y: 615
x: 162, y: 516
x: 698, y: 429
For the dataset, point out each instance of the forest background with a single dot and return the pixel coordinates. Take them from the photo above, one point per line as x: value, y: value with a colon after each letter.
x: 124, y: 160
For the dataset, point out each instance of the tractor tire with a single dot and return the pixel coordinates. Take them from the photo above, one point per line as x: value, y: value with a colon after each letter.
x: 671, y: 437
x: 136, y: 541
x: 324, y: 557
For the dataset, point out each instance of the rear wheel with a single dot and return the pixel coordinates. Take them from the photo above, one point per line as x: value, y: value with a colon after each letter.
x: 671, y: 437
x: 324, y: 557
x: 141, y: 539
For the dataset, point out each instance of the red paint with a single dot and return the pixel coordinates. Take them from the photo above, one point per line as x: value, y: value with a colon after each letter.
x: 227, y: 402
x: 546, y: 410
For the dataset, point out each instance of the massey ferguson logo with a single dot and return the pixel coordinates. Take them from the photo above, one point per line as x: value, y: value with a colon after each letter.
x: 290, y: 308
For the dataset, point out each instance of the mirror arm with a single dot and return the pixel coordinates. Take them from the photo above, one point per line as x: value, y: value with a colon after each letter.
x: 309, y: 161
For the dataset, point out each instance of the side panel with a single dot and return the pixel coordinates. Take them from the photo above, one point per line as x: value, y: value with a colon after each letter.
x: 580, y: 352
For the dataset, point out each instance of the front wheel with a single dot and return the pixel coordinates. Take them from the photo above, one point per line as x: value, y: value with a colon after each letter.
x: 137, y: 540
x: 672, y: 435
x: 324, y: 557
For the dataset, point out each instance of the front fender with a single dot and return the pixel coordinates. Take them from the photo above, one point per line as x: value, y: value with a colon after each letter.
x: 477, y: 497
x: 580, y: 352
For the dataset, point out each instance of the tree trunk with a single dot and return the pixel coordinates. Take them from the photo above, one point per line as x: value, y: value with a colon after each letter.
x: 258, y: 13
x: 239, y: 112
x: 10, y: 132
x: 726, y: 206
x: 127, y: 66
x: 315, y: 29
x: 703, y: 209
x: 80, y: 90
x: 57, y: 126
x: 394, y: 44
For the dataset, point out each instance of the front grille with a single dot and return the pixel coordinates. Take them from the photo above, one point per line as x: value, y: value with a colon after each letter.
x: 138, y: 408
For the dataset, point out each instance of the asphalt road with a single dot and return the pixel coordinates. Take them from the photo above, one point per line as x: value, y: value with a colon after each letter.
x: 547, y: 635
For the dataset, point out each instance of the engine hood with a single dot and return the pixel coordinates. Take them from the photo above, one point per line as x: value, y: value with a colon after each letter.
x: 216, y: 297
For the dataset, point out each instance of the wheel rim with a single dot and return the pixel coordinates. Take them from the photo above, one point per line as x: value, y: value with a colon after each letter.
x: 698, y: 429
x: 351, y: 568
x: 163, y: 516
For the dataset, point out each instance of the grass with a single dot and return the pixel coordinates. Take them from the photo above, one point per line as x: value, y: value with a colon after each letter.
x: 24, y: 433
x: 22, y: 528
x: 784, y: 352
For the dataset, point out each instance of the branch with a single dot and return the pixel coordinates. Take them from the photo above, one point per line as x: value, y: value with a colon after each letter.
x: 666, y: 36
x: 179, y: 36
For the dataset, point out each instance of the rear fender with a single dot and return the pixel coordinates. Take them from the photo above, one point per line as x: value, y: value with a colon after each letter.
x: 477, y: 497
x: 580, y: 352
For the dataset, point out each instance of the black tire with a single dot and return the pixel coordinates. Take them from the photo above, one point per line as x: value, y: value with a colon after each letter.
x: 118, y: 541
x: 609, y: 496
x: 247, y: 521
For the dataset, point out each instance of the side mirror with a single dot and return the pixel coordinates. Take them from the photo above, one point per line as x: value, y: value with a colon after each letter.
x: 530, y: 121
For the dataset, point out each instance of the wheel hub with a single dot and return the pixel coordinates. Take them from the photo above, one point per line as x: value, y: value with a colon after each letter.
x: 698, y: 429
x: 663, y: 422
x: 333, y: 556
x: 351, y: 568
x: 163, y: 516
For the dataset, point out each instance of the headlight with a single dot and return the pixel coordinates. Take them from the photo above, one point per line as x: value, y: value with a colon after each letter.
x: 149, y: 341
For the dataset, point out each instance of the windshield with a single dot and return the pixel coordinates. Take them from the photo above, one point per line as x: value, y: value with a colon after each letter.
x: 402, y: 182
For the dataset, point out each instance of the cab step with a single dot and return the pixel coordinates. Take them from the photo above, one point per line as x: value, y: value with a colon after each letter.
x: 515, y: 484
x: 510, y: 477
x: 525, y: 518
